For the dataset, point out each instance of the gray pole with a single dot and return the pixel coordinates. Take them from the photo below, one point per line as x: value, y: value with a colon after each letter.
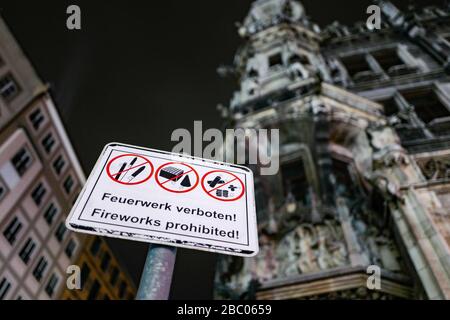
x: 157, y: 274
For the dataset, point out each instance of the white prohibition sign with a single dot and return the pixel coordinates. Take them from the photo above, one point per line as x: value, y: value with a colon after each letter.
x: 154, y: 196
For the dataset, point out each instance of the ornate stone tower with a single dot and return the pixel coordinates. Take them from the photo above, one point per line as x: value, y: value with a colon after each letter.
x: 364, y: 155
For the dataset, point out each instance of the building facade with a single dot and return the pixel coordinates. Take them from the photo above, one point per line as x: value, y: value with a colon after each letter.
x: 40, y: 178
x: 364, y: 179
x: 102, y: 277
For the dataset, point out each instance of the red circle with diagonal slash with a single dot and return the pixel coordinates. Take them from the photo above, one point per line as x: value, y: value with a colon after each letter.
x: 176, y: 191
x: 146, y: 161
x: 235, y: 178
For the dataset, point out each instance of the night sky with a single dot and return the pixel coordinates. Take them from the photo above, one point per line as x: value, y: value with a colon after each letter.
x: 138, y: 70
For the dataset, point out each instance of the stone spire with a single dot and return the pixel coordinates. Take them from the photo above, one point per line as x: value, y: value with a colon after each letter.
x: 266, y: 13
x: 280, y: 51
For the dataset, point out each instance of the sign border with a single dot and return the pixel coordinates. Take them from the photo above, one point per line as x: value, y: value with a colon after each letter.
x: 215, y: 248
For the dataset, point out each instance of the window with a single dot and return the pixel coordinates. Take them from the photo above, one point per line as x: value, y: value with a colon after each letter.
x: 358, y: 68
x: 422, y: 114
x: 27, y: 250
x: 50, y: 213
x: 68, y: 184
x: 75, y: 199
x: 12, y: 230
x: 5, y: 285
x: 275, y: 60
x: 253, y: 73
x: 391, y: 63
x: 48, y: 142
x: 390, y: 107
x: 38, y: 194
x: 447, y: 39
x: 295, y: 180
x: 114, y: 276
x: 94, y: 290
x: 60, y: 231
x: 299, y: 58
x: 85, y: 271
x: 36, y: 118
x: 122, y: 289
x: 105, y: 261
x: 22, y: 161
x: 70, y: 248
x: 9, y: 88
x: 375, y: 65
x: 59, y: 164
x: 95, y: 246
x: 51, y: 285
x: 427, y: 104
x: 2, y: 190
x: 345, y: 185
x: 38, y: 272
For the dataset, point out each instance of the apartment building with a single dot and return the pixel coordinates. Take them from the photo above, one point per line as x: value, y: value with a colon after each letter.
x: 40, y: 179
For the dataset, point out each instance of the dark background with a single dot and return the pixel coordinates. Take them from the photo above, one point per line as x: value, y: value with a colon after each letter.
x: 138, y: 70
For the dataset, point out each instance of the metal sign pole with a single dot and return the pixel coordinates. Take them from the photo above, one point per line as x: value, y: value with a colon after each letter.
x: 157, y: 274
